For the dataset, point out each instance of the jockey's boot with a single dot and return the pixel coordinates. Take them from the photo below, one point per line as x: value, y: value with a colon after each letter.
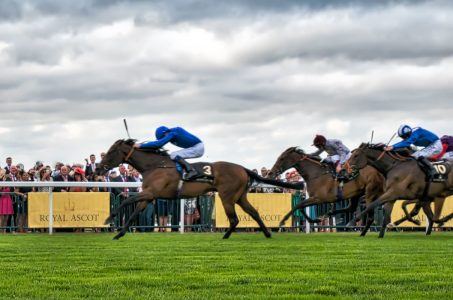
x: 430, y: 171
x: 190, y: 171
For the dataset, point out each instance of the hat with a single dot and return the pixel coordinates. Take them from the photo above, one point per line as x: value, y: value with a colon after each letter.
x: 79, y: 171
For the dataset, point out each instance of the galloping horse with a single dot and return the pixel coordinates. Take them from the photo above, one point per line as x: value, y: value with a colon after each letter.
x: 162, y: 180
x: 322, y: 186
x: 404, y: 180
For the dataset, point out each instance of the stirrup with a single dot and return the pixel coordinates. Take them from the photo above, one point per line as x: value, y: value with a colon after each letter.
x: 189, y: 174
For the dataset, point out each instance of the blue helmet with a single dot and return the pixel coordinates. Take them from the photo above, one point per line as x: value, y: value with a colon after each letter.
x: 404, y: 131
x: 161, y: 131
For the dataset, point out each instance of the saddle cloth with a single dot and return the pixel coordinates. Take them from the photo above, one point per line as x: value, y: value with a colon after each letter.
x: 204, y: 170
x: 442, y: 169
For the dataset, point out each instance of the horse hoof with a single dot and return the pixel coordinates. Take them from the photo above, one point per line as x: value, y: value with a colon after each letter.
x: 118, y: 236
x: 267, y: 234
x: 108, y: 221
x: 281, y: 224
x: 390, y: 225
x: 417, y: 222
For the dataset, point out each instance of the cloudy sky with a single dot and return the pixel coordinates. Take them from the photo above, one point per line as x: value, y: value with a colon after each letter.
x: 250, y: 78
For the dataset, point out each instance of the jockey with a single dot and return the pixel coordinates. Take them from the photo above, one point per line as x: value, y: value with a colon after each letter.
x: 447, y: 143
x: 421, y: 138
x: 337, y: 152
x: 192, y: 146
x: 447, y: 147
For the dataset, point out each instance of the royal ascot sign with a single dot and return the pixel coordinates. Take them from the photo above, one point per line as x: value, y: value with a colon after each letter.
x: 69, y: 210
x: 271, y: 207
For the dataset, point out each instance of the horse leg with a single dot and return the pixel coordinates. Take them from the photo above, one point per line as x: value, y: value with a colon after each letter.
x: 384, y: 198
x: 445, y: 219
x: 128, y: 201
x: 429, y: 215
x: 141, y: 206
x: 352, y: 206
x: 369, y: 221
x: 438, y: 206
x: 300, y: 206
x: 388, y: 207
x: 248, y: 208
x: 409, y: 216
x: 232, y: 217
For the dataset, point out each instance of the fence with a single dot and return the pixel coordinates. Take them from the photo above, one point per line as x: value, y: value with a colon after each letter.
x: 174, y: 213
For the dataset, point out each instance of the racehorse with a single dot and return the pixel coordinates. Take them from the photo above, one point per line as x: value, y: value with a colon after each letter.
x: 404, y: 180
x: 322, y: 186
x: 162, y: 180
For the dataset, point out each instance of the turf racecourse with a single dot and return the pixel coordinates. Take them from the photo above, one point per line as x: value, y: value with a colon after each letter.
x: 174, y: 266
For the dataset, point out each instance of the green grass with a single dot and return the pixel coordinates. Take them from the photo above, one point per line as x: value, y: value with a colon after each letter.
x: 174, y: 266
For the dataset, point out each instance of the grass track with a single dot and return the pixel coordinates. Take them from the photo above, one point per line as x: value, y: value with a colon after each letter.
x: 174, y: 266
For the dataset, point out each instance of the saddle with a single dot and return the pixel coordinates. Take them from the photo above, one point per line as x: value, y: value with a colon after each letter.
x: 203, y: 169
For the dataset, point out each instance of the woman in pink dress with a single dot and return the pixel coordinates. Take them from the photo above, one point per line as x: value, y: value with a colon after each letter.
x: 6, y: 203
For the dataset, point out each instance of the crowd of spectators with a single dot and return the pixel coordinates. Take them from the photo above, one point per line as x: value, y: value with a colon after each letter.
x: 13, y: 201
x: 290, y: 176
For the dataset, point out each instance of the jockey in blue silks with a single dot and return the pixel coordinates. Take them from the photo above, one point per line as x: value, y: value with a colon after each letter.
x: 192, y: 146
x: 419, y: 137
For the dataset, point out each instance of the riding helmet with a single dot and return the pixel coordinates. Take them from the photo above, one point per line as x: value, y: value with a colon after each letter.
x: 161, y: 131
x: 404, y: 131
x: 319, y: 141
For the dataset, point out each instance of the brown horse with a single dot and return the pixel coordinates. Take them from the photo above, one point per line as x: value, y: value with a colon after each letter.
x: 404, y: 180
x: 162, y: 180
x: 322, y: 186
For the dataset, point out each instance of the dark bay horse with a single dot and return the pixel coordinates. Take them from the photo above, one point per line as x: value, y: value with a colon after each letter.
x: 162, y: 180
x: 322, y: 187
x: 404, y: 180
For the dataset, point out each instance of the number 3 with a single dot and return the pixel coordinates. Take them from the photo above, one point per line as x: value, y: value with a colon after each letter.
x: 207, y: 170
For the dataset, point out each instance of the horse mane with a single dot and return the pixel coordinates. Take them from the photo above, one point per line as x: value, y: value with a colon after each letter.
x: 301, y: 151
x: 160, y: 151
x: 380, y: 146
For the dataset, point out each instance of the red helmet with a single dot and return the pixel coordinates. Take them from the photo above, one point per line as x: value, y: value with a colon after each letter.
x: 319, y: 141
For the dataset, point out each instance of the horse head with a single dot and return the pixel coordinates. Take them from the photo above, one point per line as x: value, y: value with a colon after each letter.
x: 115, y: 155
x: 285, y: 161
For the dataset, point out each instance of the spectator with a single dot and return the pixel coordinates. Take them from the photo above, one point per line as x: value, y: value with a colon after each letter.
x: 20, y: 167
x: 162, y: 213
x: 79, y: 176
x: 22, y: 192
x: 122, y: 177
x: 58, y: 166
x: 123, y: 193
x: 9, y: 163
x: 38, y: 165
x: 191, y: 214
x: 63, y: 176
x: 13, y: 172
x: 146, y: 218
x: 44, y: 175
x: 6, y: 203
x: 32, y: 174
x: 90, y: 168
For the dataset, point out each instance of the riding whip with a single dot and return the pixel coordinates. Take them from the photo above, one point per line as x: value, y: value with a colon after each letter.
x: 127, y: 129
x: 372, y: 135
x: 393, y: 136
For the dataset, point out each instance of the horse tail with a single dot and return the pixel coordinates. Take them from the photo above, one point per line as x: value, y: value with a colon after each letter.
x: 258, y: 178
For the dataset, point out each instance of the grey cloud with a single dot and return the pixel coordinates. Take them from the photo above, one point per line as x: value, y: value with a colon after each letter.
x: 248, y: 98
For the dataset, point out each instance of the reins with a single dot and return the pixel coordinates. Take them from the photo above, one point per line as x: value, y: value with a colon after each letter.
x: 129, y: 154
